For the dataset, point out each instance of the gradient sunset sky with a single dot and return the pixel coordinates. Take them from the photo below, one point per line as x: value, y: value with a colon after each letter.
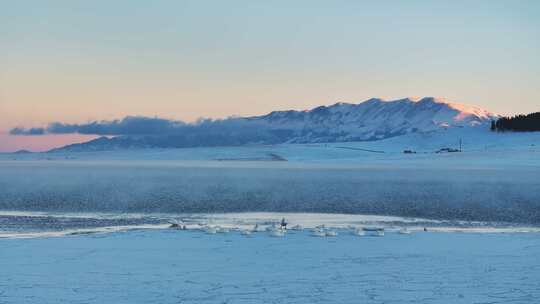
x: 78, y: 61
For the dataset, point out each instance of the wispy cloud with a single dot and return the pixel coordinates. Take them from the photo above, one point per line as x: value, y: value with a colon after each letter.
x: 29, y: 131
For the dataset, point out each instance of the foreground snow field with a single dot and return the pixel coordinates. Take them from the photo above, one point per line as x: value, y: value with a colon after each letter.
x: 172, y: 266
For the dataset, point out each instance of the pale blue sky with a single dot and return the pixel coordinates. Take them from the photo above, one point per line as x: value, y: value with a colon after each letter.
x: 75, y: 61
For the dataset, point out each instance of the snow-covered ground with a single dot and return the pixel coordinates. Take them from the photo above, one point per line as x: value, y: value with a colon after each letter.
x: 478, y: 145
x: 174, y: 266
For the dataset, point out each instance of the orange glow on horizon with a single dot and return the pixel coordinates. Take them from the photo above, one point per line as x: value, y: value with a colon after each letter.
x: 40, y: 143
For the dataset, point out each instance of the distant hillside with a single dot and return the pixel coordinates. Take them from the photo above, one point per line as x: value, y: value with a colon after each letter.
x: 373, y: 119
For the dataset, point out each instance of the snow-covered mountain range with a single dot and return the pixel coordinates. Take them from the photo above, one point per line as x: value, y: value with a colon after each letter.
x: 373, y: 119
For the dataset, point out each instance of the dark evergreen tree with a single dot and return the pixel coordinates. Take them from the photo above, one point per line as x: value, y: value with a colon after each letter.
x: 520, y: 123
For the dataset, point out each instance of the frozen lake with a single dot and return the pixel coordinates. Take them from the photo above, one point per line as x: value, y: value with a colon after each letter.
x: 171, y: 266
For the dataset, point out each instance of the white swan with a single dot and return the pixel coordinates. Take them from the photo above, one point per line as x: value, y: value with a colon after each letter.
x: 318, y: 231
x: 277, y: 232
x: 404, y: 230
x: 272, y: 227
x: 257, y: 228
x: 331, y: 233
x: 373, y: 231
x: 222, y: 230
x: 297, y: 227
x: 210, y: 230
x: 358, y: 231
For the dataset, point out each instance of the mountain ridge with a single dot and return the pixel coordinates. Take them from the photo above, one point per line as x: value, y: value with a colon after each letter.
x: 373, y: 119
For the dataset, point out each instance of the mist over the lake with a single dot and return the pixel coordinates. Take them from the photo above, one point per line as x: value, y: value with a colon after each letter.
x: 183, y: 187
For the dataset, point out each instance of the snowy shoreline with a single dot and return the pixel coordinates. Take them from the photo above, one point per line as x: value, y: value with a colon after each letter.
x: 46, y: 224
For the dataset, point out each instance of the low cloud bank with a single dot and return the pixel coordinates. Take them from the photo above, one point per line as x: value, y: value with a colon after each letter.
x: 134, y: 125
x: 30, y: 131
x: 141, y: 132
